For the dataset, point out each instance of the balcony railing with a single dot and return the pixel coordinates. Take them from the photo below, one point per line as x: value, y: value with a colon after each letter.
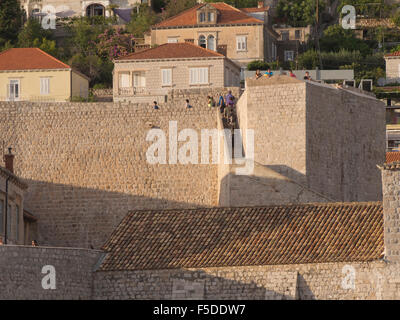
x: 132, y: 91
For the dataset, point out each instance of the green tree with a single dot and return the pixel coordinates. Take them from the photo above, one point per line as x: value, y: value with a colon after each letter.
x: 32, y: 34
x: 11, y: 19
x: 84, y: 34
x: 335, y: 38
x: 173, y: 7
x: 257, y: 65
x: 298, y: 13
x: 142, y: 21
x: 369, y: 8
x: 46, y: 45
x: 114, y: 43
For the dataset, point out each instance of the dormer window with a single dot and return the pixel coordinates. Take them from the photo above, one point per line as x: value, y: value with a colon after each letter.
x: 207, y: 15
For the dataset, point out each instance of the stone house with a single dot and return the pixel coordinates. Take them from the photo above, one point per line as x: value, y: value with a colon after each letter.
x: 72, y: 8
x: 222, y: 28
x: 393, y: 67
x: 150, y: 74
x: 291, y: 41
x: 12, y: 190
x: 30, y: 74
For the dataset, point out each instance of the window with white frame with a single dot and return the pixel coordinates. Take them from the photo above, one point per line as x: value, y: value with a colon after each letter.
x: 289, y: 55
x: 124, y: 81
x: 198, y: 75
x: 202, y: 41
x: 44, y: 85
x: 139, y: 79
x: 285, y: 35
x: 211, y: 42
x: 166, y: 77
x: 241, y: 43
x: 173, y: 40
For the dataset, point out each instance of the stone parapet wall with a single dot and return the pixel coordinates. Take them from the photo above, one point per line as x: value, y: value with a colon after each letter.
x: 337, y: 281
x: 325, y: 138
x: 86, y: 165
x: 21, y: 273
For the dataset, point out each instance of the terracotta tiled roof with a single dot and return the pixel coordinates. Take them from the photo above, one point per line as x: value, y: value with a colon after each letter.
x: 393, y: 54
x: 217, y: 237
x: 252, y: 10
x: 29, y: 59
x: 227, y: 15
x: 392, y: 157
x: 172, y: 51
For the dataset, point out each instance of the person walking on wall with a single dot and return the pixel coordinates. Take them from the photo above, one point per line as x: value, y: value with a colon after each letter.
x: 188, y: 106
x: 221, y: 103
x: 211, y: 102
x: 230, y: 101
x: 269, y: 73
x: 307, y: 76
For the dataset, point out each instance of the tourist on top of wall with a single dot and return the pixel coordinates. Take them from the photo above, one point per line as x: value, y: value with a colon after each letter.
x: 221, y: 103
x: 188, y: 104
x: 291, y: 74
x: 307, y: 76
x: 230, y: 101
x: 269, y: 73
x: 211, y: 102
x: 156, y: 105
x: 258, y: 74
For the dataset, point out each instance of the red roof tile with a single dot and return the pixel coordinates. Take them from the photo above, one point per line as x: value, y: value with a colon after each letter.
x: 392, y: 157
x: 172, y: 51
x: 219, y: 237
x: 227, y: 15
x: 255, y: 9
x: 393, y: 54
x: 29, y: 59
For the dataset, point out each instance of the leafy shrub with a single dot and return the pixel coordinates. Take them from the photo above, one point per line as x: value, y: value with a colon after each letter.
x: 258, y: 65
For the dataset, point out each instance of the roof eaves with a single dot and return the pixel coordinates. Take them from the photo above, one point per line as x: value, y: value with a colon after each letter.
x: 8, y: 174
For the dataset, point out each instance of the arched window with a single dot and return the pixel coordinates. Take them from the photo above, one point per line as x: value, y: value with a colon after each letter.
x: 95, y: 10
x: 202, y: 42
x: 211, y: 42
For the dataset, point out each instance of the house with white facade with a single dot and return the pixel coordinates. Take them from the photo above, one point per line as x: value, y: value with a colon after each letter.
x: 150, y: 74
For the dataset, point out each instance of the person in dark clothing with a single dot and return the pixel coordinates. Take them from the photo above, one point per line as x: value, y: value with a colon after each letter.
x: 221, y: 103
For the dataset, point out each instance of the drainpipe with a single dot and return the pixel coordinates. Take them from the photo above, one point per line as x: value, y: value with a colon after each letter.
x: 6, y: 217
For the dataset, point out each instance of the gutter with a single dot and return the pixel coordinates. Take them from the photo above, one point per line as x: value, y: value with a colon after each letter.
x: 6, y: 217
x: 70, y: 85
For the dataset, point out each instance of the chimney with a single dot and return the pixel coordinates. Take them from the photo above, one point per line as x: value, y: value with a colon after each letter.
x: 260, y: 4
x: 391, y: 210
x: 9, y: 160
